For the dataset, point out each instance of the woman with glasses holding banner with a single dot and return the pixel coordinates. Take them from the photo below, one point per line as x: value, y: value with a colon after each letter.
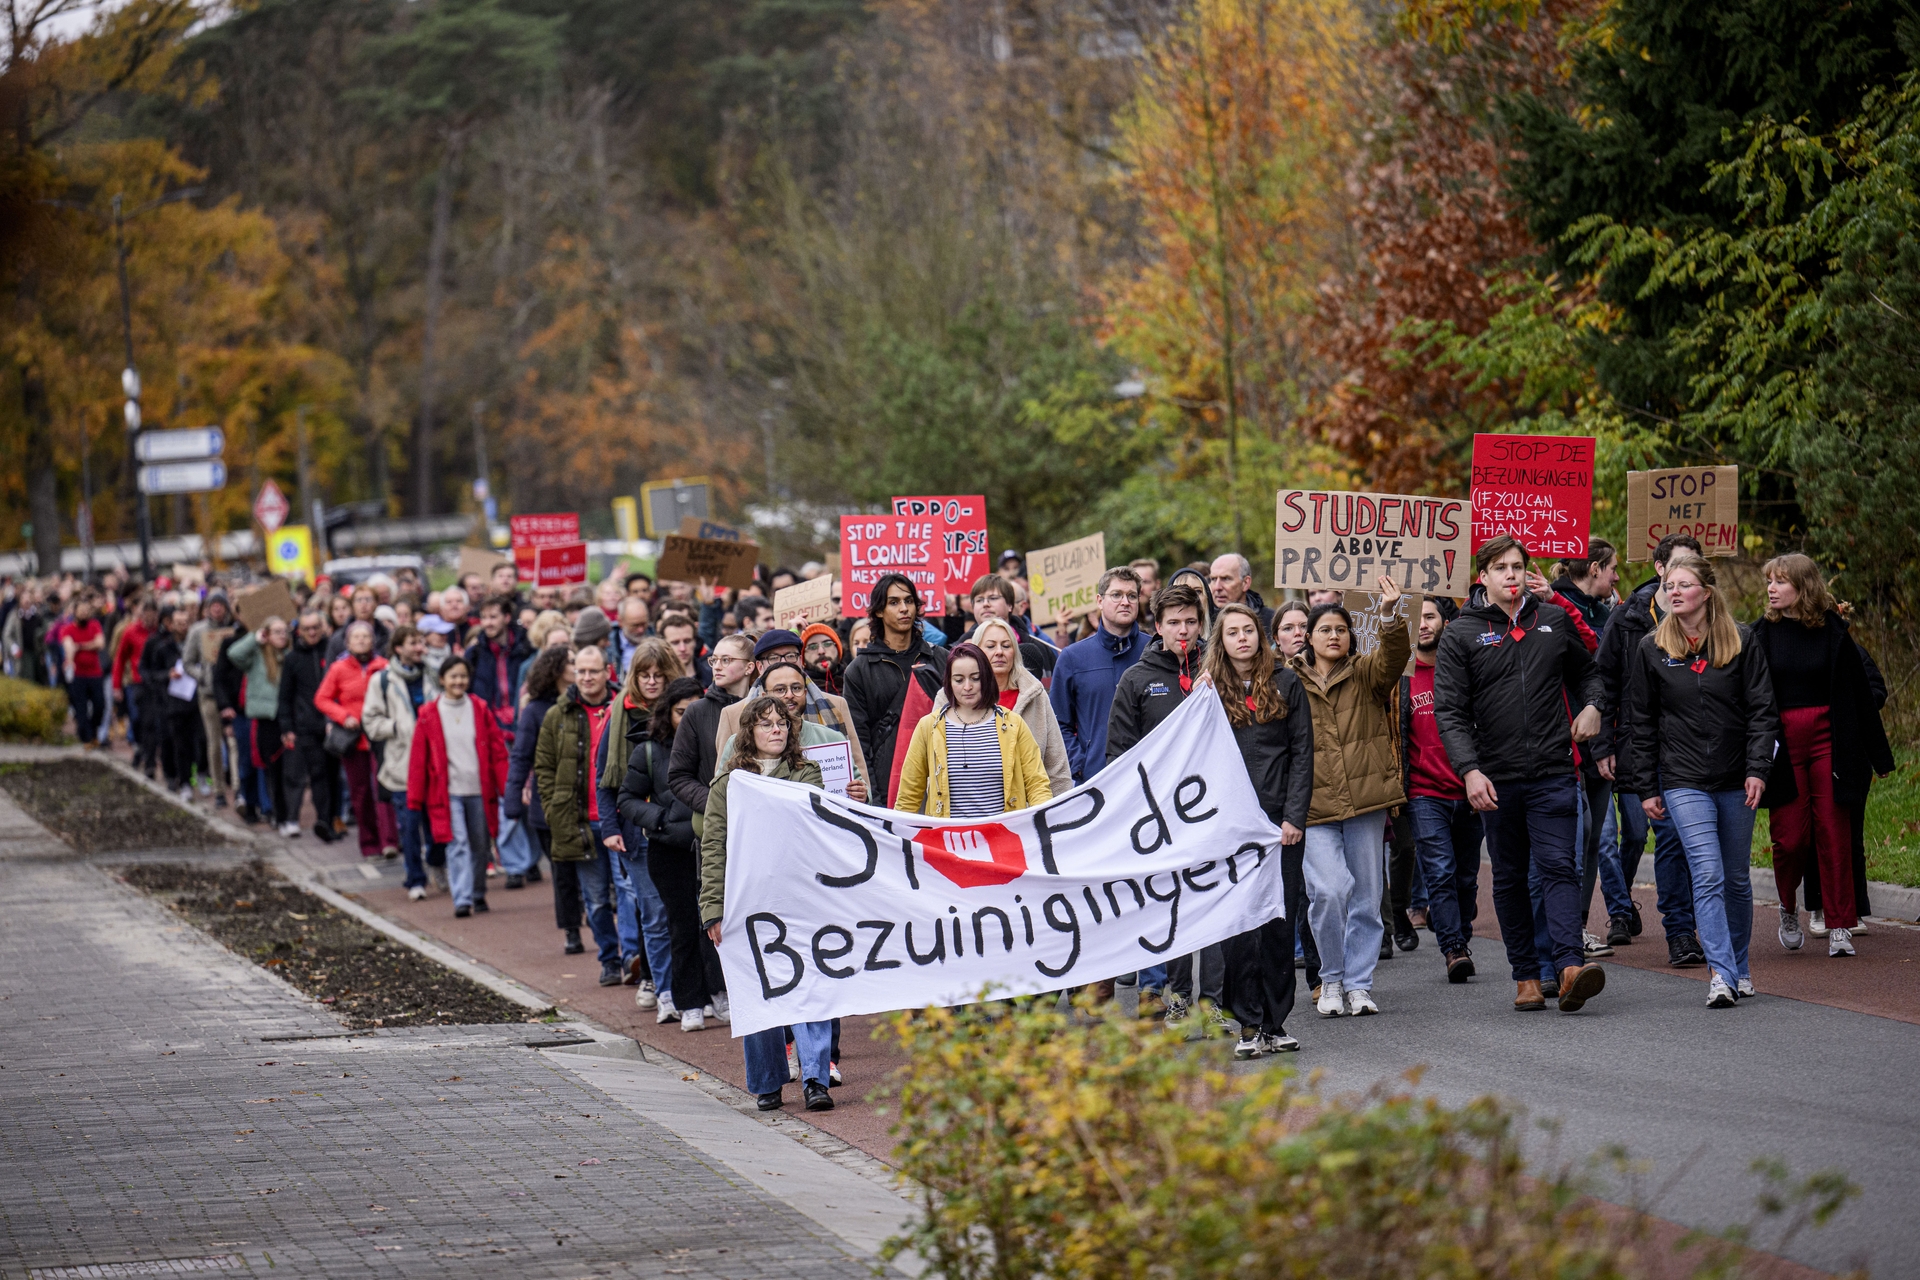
x: 1273, y: 727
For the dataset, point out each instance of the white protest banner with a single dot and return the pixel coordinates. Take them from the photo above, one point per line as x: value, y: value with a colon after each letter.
x: 1702, y: 501
x: 1063, y: 579
x: 1333, y: 538
x: 836, y: 908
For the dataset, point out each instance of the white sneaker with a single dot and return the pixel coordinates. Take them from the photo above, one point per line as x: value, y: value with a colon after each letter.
x: 644, y: 996
x: 1840, y: 942
x: 1251, y: 1045
x: 1817, y: 923
x: 186, y: 794
x: 720, y: 1010
x: 1719, y: 994
x: 1593, y: 946
x: 1282, y: 1043
x: 291, y: 830
x: 1360, y: 1004
x: 417, y: 892
x: 1744, y: 989
x: 1332, y: 1002
x: 693, y: 1020
x: 833, y: 1074
x: 206, y: 789
x: 1789, y: 934
x: 1859, y: 927
x: 667, y: 1012
x: 793, y: 1062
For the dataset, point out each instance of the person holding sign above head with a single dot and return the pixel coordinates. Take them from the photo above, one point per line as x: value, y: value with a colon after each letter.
x: 1697, y: 733
x: 1506, y: 674
x: 770, y: 742
x: 1831, y: 744
x: 971, y: 758
x: 1275, y: 730
x: 1356, y: 779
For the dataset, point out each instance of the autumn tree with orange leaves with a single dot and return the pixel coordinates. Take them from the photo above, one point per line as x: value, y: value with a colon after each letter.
x: 1234, y: 147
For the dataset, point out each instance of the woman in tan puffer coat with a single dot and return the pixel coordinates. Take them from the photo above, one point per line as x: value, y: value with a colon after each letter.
x: 1356, y: 779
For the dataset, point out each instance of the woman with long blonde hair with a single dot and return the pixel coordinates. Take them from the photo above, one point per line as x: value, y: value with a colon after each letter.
x: 1831, y: 744
x: 1267, y: 706
x: 1698, y: 725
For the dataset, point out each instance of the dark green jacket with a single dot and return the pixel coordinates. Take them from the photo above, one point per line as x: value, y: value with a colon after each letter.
x: 713, y: 842
x: 562, y: 772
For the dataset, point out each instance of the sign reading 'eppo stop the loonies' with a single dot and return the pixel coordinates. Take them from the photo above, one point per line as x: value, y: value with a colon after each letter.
x: 1348, y: 540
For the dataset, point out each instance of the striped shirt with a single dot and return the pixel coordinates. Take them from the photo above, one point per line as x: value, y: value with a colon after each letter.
x: 976, y: 783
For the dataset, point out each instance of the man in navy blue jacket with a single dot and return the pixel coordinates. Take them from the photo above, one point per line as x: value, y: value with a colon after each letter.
x: 1088, y: 672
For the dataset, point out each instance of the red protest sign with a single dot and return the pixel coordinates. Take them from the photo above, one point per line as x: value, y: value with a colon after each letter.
x: 874, y: 545
x: 959, y: 536
x: 535, y: 531
x: 560, y: 565
x: 1539, y: 489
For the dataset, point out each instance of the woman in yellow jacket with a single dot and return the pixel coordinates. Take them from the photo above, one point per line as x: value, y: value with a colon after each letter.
x: 974, y: 758
x: 1356, y: 779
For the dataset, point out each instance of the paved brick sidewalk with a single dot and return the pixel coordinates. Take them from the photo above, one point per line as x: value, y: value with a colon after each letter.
x: 146, y: 1119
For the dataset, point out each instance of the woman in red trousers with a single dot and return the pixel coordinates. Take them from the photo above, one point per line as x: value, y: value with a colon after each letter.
x: 1832, y: 743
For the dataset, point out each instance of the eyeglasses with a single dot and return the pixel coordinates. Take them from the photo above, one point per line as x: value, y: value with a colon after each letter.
x: 1124, y: 597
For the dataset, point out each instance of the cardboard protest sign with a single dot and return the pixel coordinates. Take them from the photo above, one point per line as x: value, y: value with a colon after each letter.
x: 960, y: 537
x: 255, y: 605
x: 1371, y: 617
x: 1345, y: 540
x: 874, y: 545
x: 481, y: 560
x: 188, y: 575
x: 695, y: 527
x: 535, y: 531
x: 564, y: 564
x: 1702, y: 501
x: 730, y: 564
x: 1539, y: 489
x: 835, y: 908
x: 1063, y: 579
x: 804, y: 602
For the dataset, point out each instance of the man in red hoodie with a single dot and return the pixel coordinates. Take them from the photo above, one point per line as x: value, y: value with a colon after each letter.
x: 1446, y: 830
x: 126, y: 681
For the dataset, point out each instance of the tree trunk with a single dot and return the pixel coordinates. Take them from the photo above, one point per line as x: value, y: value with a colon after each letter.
x: 423, y: 478
x: 43, y: 481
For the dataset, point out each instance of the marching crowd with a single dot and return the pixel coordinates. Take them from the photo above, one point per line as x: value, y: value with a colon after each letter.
x: 485, y: 730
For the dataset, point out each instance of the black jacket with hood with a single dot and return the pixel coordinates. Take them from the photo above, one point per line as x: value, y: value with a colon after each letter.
x: 300, y: 674
x: 1148, y: 692
x: 876, y: 689
x: 1627, y: 624
x: 1687, y: 723
x: 1503, y: 704
x: 690, y: 765
x: 1860, y: 747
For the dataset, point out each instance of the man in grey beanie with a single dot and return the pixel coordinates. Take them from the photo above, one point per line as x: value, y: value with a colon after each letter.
x: 591, y: 627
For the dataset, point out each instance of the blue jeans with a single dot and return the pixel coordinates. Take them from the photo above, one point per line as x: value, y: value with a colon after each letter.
x: 1716, y: 829
x: 467, y: 851
x: 1446, y: 842
x: 517, y: 850
x: 1153, y: 978
x: 597, y: 896
x: 1673, y: 882
x: 643, y: 920
x: 766, y: 1053
x: 412, y: 847
x: 1536, y: 824
x: 1615, y: 891
x: 1345, y: 866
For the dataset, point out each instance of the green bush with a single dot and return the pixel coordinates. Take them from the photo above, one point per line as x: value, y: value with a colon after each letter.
x: 30, y: 712
x: 1064, y: 1147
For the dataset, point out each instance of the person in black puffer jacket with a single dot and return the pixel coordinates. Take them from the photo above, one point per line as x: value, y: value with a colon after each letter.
x: 1698, y: 728
x: 546, y: 679
x: 303, y: 729
x: 1507, y: 674
x: 173, y: 717
x: 648, y: 805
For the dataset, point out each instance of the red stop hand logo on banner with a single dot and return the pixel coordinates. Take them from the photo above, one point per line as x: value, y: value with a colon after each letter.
x: 974, y: 856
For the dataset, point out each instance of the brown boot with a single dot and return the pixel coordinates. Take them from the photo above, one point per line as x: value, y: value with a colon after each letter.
x: 1580, y: 983
x: 1528, y: 998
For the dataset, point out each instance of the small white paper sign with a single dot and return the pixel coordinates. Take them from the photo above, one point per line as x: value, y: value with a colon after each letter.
x: 182, y: 685
x: 836, y: 765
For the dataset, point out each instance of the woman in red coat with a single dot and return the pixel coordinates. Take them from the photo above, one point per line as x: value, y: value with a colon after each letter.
x: 456, y: 775
x: 342, y: 694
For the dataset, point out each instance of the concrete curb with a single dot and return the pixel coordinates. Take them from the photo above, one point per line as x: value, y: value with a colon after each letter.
x: 1896, y: 902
